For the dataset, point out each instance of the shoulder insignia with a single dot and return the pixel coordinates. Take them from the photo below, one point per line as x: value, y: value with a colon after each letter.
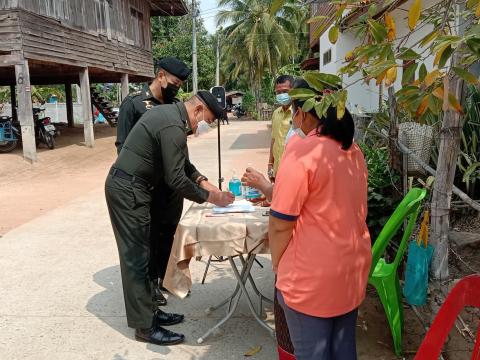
x: 148, y: 104
x: 136, y: 93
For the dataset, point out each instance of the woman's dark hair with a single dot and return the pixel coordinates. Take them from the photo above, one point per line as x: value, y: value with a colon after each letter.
x: 341, y: 130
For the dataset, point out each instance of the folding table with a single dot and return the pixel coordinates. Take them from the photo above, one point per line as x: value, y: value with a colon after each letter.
x: 241, y: 236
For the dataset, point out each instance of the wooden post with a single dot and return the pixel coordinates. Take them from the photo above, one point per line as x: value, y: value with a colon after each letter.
x: 69, y: 104
x: 25, y: 112
x: 442, y: 189
x: 124, y: 86
x: 86, y: 108
x: 13, y: 102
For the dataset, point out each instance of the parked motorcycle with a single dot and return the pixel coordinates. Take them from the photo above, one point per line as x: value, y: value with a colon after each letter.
x: 238, y: 111
x: 45, y: 131
x: 9, y: 134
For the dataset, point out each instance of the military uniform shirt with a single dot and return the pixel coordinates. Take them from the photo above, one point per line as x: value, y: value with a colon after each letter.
x: 156, y: 151
x: 131, y: 109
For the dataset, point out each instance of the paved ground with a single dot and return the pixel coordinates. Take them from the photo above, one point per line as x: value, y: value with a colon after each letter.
x: 61, y: 295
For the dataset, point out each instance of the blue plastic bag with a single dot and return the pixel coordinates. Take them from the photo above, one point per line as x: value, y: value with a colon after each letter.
x: 418, y: 263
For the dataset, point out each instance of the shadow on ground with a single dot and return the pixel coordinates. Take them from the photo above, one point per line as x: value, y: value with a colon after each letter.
x: 258, y: 140
x: 238, y: 335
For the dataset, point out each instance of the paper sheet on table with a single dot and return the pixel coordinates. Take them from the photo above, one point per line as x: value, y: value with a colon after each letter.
x: 238, y: 206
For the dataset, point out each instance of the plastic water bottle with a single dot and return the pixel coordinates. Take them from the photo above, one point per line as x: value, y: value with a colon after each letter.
x: 250, y: 193
x: 235, y: 185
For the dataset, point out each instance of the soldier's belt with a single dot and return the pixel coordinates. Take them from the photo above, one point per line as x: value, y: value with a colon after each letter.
x: 134, y: 179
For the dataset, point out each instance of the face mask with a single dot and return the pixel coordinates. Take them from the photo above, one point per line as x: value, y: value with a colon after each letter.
x: 283, y: 99
x: 202, y: 126
x: 169, y: 93
x: 290, y: 133
x: 298, y: 130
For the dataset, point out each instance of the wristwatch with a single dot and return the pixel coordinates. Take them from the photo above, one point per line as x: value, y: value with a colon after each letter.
x: 200, y: 179
x: 270, y: 173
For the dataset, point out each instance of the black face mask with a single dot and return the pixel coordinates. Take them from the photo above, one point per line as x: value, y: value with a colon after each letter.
x: 169, y: 93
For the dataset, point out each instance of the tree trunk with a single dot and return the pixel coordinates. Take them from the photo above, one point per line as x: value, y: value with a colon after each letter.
x: 442, y: 189
x: 395, y: 156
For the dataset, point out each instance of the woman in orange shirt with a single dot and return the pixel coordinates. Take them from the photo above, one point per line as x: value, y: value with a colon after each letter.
x: 318, y: 235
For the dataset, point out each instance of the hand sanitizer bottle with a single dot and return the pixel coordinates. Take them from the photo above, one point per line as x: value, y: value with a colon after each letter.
x: 234, y: 185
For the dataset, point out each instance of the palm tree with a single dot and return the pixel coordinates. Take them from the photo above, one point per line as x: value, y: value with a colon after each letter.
x: 258, y: 41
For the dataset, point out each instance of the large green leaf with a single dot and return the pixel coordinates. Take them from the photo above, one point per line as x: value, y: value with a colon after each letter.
x: 472, y: 3
x: 408, y: 54
x: 333, y: 34
x: 329, y: 79
x: 342, y: 98
x: 465, y: 75
x: 378, y: 31
x: 409, y: 73
x: 313, y: 79
x: 470, y: 170
x: 301, y: 94
x: 445, y: 56
x: 276, y: 5
x: 308, y: 105
x: 474, y: 45
x: 422, y: 72
x: 322, y: 106
x: 377, y: 69
x: 429, y: 38
x: 316, y: 18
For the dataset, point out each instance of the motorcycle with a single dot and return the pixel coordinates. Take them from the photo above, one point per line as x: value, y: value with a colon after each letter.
x: 45, y: 131
x: 238, y: 111
x: 9, y: 134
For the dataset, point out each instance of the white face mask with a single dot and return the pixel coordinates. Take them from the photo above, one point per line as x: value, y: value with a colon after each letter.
x: 290, y: 133
x: 298, y: 130
x: 202, y: 126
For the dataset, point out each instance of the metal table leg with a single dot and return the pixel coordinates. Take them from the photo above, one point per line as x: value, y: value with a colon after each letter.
x: 261, y: 297
x: 240, y: 279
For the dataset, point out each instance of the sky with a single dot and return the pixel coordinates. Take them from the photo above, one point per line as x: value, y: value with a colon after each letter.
x: 208, y: 10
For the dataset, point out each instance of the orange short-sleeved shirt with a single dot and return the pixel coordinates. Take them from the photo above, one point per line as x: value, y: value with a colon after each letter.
x: 324, y: 270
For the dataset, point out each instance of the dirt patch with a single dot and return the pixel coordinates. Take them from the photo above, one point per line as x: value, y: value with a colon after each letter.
x: 59, y: 176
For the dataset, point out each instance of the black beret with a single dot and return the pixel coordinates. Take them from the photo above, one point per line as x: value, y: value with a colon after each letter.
x: 212, y: 103
x: 174, y: 66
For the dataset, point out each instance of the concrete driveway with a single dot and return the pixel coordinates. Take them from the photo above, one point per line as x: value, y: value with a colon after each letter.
x: 61, y: 291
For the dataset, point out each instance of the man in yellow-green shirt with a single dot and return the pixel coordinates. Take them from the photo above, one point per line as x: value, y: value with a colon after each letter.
x: 281, y: 120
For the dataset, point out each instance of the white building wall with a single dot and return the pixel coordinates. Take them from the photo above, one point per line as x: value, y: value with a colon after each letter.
x: 324, y: 46
x: 400, y: 16
x: 361, y: 97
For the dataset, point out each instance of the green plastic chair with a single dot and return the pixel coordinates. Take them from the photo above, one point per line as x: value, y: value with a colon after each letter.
x: 383, y: 275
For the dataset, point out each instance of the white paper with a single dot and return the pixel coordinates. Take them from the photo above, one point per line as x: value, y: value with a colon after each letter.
x: 238, y: 206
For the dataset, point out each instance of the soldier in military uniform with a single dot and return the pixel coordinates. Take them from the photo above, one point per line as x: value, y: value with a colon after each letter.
x: 167, y: 207
x: 154, y: 160
x: 170, y: 75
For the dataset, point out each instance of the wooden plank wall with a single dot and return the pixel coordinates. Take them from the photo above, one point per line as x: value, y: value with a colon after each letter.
x: 8, y: 4
x: 89, y: 15
x: 68, y: 32
x: 46, y: 40
x: 10, y: 36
